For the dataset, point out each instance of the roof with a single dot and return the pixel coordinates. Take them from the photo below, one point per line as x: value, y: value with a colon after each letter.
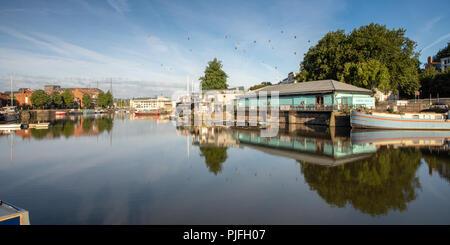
x: 322, y: 86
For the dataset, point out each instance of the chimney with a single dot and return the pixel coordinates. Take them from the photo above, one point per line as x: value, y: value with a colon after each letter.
x: 430, y: 59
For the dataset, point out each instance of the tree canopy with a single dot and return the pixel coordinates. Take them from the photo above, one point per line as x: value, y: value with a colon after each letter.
x: 262, y: 85
x: 39, y: 98
x: 56, y: 99
x: 68, y: 97
x: 371, y: 56
x: 434, y: 82
x: 86, y: 100
x: 445, y: 52
x: 215, y: 77
x: 105, y: 99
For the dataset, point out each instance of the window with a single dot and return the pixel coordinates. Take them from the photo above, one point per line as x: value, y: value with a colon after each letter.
x: 319, y: 100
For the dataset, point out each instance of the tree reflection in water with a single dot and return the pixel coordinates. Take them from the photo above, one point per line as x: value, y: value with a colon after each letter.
x: 214, y: 157
x: 68, y: 128
x: 438, y: 161
x: 385, y: 181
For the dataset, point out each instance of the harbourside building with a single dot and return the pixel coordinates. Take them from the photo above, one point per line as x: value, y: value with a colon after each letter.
x: 160, y: 102
x: 323, y: 95
x: 21, y: 98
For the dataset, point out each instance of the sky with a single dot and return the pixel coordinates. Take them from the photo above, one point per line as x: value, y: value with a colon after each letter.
x: 149, y: 48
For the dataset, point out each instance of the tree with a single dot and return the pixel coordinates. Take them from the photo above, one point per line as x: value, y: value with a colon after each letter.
x: 109, y: 99
x: 86, y: 101
x: 262, y: 85
x: 371, y: 56
x: 68, y: 97
x: 215, y: 77
x: 56, y: 99
x: 39, y: 98
x: 434, y: 82
x: 445, y: 52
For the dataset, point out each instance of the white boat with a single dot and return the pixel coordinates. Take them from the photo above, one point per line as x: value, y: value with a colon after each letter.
x: 427, y: 120
x: 9, y: 114
x: 12, y: 215
x: 10, y: 126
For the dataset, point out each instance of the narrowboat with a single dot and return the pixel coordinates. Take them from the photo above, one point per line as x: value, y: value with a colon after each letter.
x: 12, y: 215
x: 421, y: 120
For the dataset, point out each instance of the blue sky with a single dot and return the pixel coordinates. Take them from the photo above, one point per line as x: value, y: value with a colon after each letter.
x: 150, y: 47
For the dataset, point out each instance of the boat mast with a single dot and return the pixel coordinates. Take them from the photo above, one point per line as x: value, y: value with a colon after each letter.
x: 11, y: 81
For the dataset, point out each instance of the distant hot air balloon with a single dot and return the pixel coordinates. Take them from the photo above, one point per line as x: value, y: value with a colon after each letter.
x: 254, y: 41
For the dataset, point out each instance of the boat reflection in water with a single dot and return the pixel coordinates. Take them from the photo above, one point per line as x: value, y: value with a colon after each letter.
x: 373, y: 171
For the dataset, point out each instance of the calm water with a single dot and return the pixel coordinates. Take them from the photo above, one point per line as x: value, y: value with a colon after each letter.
x: 122, y: 170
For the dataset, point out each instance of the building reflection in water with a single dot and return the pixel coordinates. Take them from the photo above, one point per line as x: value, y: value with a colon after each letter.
x: 70, y: 127
x: 373, y: 171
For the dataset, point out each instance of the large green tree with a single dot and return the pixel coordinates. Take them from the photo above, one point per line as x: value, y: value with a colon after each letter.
x: 371, y: 56
x: 68, y: 97
x: 39, y: 98
x: 215, y: 77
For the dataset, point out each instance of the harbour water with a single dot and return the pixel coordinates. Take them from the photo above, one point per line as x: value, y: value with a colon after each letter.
x: 119, y: 169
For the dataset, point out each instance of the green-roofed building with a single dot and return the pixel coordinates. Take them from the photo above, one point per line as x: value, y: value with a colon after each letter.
x: 323, y: 95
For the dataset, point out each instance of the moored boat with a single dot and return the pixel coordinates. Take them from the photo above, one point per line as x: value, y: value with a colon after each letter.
x: 146, y: 112
x: 12, y: 215
x: 9, y: 114
x: 60, y: 113
x: 427, y: 120
x: 10, y: 126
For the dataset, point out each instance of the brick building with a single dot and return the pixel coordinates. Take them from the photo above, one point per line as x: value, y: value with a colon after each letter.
x: 21, y: 97
x: 77, y: 93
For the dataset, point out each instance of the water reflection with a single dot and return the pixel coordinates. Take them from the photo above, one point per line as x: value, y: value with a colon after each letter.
x: 373, y: 171
x: 385, y: 181
x: 214, y: 157
x: 73, y: 127
x: 293, y: 177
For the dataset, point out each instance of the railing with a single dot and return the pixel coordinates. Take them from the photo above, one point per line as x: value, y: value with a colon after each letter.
x: 314, y: 107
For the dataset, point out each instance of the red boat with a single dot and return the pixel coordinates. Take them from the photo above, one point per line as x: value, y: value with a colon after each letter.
x: 60, y: 113
x: 149, y: 112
